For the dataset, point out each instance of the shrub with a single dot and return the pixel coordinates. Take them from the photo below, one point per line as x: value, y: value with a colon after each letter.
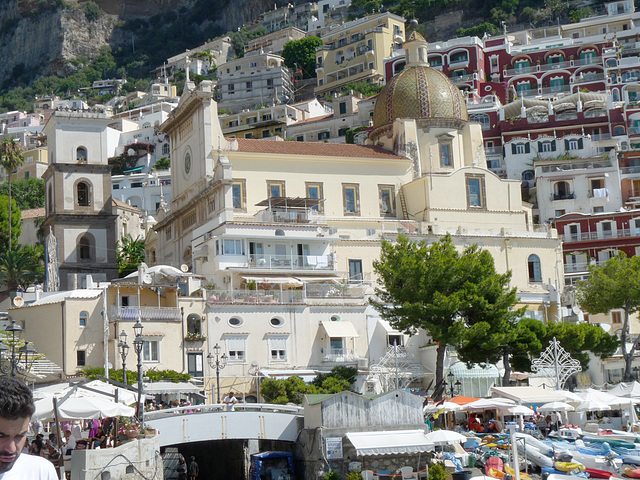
x: 92, y: 11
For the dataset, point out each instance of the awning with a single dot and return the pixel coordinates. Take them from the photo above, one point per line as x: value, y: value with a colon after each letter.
x: 136, y: 169
x: 340, y: 329
x: 289, y: 202
x: 274, y: 279
x: 318, y: 279
x: 157, y: 388
x: 527, y: 395
x: 396, y: 442
x: 388, y: 328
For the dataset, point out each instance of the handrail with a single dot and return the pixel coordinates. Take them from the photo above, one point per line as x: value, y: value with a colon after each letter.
x: 221, y: 407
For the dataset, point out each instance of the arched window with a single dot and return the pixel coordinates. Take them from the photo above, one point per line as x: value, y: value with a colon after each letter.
x: 194, y: 324
x: 535, y: 274
x: 562, y: 191
x: 481, y: 118
x: 86, y: 248
x: 84, y: 194
x: 81, y: 154
x: 165, y: 149
x: 618, y: 129
x: 84, y: 316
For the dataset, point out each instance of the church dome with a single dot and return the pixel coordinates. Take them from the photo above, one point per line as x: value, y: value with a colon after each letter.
x: 419, y: 91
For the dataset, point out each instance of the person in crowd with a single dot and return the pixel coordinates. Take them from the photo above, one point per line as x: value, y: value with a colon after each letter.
x: 69, y: 442
x: 181, y: 469
x: 99, y: 439
x: 194, y: 469
x: 229, y: 401
x: 37, y: 446
x: 51, y: 447
x: 16, y: 409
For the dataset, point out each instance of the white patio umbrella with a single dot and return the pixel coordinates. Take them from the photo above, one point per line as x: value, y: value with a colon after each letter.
x: 629, y: 390
x: 488, y: 403
x: 60, y: 390
x: 445, y: 437
x: 556, y: 407
x: 593, y: 406
x: 569, y: 396
x: 448, y: 407
x: 519, y: 410
x: 81, y: 408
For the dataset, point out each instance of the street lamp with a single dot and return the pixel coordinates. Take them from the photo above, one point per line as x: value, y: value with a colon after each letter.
x: 219, y: 362
x: 454, y: 388
x: 124, y: 350
x: 14, y: 360
x: 137, y: 345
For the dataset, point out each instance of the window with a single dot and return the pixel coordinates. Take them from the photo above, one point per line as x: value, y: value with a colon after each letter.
x: 535, y: 274
x: 195, y: 365
x: 84, y: 194
x: 81, y: 154
x: 607, y: 229
x: 475, y: 191
x: 343, y: 131
x: 387, y: 199
x: 167, y: 233
x: 194, y: 324
x: 300, y: 138
x: 520, y: 148
x: 336, y: 346
x: 343, y: 108
x: 323, y: 135
x: 278, y: 348
x: 351, y: 199
x: 266, y: 133
x: 269, y: 82
x: 81, y: 358
x: 86, y: 248
x: 239, y: 195
x: 481, y: 118
x: 238, y: 67
x: 561, y: 212
x: 235, y: 321
x: 547, y: 146
x: 393, y: 340
x: 445, y: 153
x: 616, y: 317
x: 562, y: 191
x: 84, y: 316
x: 233, y: 247
x: 249, y: 86
x: 598, y: 209
x: 355, y: 271
x: 314, y: 190
x: 276, y: 322
x: 266, y: 116
x: 236, y: 348
x: 165, y: 149
x: 573, y: 144
x: 150, y: 350
x: 275, y: 189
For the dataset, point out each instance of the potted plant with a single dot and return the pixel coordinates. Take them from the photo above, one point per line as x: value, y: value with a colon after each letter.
x: 129, y: 427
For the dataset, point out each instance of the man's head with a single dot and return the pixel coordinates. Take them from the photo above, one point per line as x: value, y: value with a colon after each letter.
x: 231, y: 394
x: 16, y: 408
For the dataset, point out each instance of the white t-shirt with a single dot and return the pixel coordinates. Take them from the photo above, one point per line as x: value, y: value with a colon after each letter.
x: 229, y: 403
x: 32, y: 468
x: 70, y: 445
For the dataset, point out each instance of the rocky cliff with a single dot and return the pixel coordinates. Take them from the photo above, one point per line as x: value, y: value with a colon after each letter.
x: 42, y: 37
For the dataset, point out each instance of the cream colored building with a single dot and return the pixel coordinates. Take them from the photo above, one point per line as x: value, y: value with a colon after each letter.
x: 286, y: 232
x: 355, y: 52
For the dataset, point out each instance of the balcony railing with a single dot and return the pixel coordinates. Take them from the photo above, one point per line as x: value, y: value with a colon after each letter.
x: 597, y: 137
x: 493, y: 150
x: 577, y: 165
x: 580, y: 266
x: 289, y: 262
x: 287, y: 216
x: 605, y: 235
x: 520, y: 71
x: 590, y: 77
x: 629, y: 170
x: 634, y: 130
x: 340, y: 355
x: 463, y: 78
x: 459, y: 61
x: 164, y: 314
x: 563, y: 196
x: 555, y: 89
x: 311, y: 291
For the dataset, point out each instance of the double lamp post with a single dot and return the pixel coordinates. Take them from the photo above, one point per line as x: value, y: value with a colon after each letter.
x: 17, y: 357
x: 123, y: 347
x: 218, y: 362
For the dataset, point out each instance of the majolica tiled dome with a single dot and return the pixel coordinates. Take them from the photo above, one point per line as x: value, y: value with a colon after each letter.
x: 419, y: 91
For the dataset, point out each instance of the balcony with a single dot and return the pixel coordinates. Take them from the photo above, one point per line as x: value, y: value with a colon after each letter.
x: 161, y: 314
x: 458, y: 62
x: 310, y: 291
x: 630, y: 170
x: 588, y: 61
x: 492, y: 151
x: 634, y: 130
x: 590, y: 77
x: 580, y: 266
x: 598, y: 137
x: 463, y: 78
x: 555, y: 89
x: 287, y: 216
x: 291, y: 262
x: 563, y: 196
x: 604, y: 235
x: 520, y: 71
x: 340, y: 355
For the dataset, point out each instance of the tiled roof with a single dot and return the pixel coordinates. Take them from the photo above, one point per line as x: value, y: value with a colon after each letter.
x: 33, y: 213
x: 121, y: 204
x: 313, y: 149
x: 312, y: 119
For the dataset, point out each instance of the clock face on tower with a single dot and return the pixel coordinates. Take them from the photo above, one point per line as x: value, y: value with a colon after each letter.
x: 187, y: 163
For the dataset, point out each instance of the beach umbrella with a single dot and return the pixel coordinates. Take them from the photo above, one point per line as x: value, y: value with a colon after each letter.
x: 81, y: 408
x: 95, y: 388
x: 448, y: 407
x: 519, y: 410
x: 556, y: 407
x: 629, y: 390
x: 488, y: 404
x: 445, y: 437
x: 593, y: 406
x: 569, y: 396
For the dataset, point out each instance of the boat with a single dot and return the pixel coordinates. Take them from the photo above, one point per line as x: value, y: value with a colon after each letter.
x: 569, y: 466
x: 632, y: 472
x: 596, y: 473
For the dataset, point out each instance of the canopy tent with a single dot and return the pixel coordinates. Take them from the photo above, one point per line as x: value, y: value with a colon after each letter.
x: 462, y: 400
x: 447, y: 406
x: 272, y: 279
x: 629, y: 390
x: 445, y: 437
x: 593, y: 406
x: 477, y: 380
x: 488, y: 404
x: 519, y: 410
x: 157, y: 388
x: 396, y: 442
x: 95, y: 388
x: 80, y: 408
x: 568, y: 396
x: 526, y: 395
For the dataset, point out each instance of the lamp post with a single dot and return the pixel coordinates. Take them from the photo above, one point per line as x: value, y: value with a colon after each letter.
x: 218, y: 362
x: 16, y: 356
x: 137, y: 345
x: 454, y: 388
x: 124, y: 350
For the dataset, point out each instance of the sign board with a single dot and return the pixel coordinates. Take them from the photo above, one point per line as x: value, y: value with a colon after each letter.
x: 334, y: 448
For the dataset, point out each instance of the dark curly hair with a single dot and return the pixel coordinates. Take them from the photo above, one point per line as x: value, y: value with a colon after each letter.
x: 16, y: 400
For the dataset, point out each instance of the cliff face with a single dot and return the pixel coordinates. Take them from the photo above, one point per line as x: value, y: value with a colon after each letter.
x: 40, y: 37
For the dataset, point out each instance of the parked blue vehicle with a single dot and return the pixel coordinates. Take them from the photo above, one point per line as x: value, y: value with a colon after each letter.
x: 272, y: 466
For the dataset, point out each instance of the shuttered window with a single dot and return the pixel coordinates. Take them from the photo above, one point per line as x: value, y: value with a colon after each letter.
x: 476, y: 195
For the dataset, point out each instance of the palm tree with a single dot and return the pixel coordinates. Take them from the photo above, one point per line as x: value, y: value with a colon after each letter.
x: 11, y: 159
x: 20, y: 267
x: 130, y: 254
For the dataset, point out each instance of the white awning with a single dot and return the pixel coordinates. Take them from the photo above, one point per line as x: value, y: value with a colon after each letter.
x: 156, y: 388
x: 388, y: 328
x: 395, y: 442
x: 527, y: 395
x: 274, y: 279
x: 318, y: 279
x: 340, y: 329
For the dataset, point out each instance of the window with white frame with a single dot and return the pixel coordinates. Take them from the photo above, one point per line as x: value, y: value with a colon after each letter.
x: 236, y: 348
x: 151, y: 351
x: 233, y: 247
x: 278, y: 347
x: 635, y: 226
x: 84, y: 316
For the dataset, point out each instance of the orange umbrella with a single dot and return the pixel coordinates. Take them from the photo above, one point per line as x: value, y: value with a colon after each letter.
x: 460, y: 400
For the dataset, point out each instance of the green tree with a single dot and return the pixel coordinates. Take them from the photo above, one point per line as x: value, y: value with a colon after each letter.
x: 163, y: 164
x: 130, y: 254
x: 11, y: 159
x: 302, y: 54
x: 16, y: 224
x: 365, y: 88
x: 441, y: 290
x: 614, y: 285
x: 91, y: 10
x: 293, y: 389
x: 21, y: 267
x: 27, y: 192
x: 579, y: 338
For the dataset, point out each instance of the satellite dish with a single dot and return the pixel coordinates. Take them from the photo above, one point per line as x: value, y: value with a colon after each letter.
x: 576, y: 310
x: 184, y: 267
x: 147, y: 279
x: 18, y: 301
x: 605, y: 326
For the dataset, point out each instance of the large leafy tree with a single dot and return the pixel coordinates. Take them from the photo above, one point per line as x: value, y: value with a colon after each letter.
x: 292, y: 389
x: 21, y: 267
x: 441, y: 290
x: 302, y: 54
x: 615, y: 285
x: 11, y: 159
x: 9, y: 229
x: 27, y: 192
